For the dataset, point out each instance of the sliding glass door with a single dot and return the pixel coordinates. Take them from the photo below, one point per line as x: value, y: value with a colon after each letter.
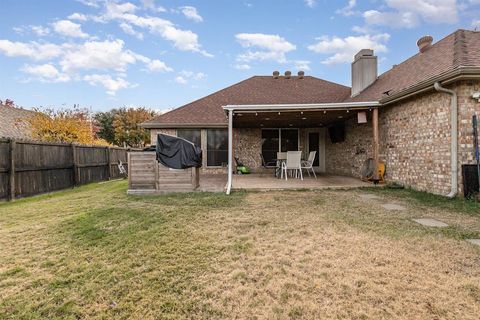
x: 278, y: 140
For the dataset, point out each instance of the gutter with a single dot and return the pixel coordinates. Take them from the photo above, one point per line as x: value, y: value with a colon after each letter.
x: 153, y: 125
x: 300, y: 107
x: 453, y: 137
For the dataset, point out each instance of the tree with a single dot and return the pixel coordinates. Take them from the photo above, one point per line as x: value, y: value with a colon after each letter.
x: 127, y: 126
x: 64, y: 125
x: 104, y: 123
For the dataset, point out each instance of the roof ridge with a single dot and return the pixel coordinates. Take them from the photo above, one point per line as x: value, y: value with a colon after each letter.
x: 460, y: 52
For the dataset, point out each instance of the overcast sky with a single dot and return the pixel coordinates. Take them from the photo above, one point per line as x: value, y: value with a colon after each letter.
x: 162, y: 54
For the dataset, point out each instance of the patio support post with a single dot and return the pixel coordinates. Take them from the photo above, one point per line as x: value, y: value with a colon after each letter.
x: 230, y: 150
x: 375, y: 144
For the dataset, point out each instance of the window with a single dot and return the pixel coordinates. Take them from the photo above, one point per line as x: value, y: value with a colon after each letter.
x: 217, y: 147
x: 192, y: 135
x: 278, y: 140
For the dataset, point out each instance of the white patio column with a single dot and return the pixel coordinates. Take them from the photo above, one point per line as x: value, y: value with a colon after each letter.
x: 230, y: 150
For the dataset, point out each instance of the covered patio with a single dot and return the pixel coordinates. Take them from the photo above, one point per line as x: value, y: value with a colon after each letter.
x: 282, y: 128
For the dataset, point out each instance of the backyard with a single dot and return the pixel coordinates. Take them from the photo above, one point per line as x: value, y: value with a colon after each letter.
x: 94, y: 252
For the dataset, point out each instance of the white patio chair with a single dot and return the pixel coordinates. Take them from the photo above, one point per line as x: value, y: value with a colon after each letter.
x: 308, y: 164
x: 281, y: 158
x: 293, y: 163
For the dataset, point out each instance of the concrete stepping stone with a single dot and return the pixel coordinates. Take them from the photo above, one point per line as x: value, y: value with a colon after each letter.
x: 431, y: 222
x: 367, y: 196
x: 393, y: 207
x: 474, y: 241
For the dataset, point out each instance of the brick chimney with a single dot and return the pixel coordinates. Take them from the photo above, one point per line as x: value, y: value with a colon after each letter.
x: 364, y: 70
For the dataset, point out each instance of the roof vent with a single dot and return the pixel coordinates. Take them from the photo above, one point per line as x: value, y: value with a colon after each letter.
x: 301, y: 74
x: 424, y: 43
x: 288, y: 74
x: 276, y: 74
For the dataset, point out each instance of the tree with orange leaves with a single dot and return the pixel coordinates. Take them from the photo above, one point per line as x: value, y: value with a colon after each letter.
x: 64, y: 125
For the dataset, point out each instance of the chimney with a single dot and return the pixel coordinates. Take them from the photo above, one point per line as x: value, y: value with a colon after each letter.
x: 364, y: 70
x: 276, y: 74
x: 301, y: 74
x: 288, y: 74
x: 424, y: 43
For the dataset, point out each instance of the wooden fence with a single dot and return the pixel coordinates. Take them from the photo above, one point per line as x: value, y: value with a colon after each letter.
x: 28, y: 167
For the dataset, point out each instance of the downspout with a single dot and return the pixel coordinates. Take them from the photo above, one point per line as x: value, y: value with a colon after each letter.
x: 454, y: 138
x: 230, y: 150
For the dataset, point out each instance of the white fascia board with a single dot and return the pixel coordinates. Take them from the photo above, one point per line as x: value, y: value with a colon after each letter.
x: 273, y: 107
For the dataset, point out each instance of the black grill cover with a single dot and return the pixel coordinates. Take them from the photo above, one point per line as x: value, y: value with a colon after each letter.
x: 178, y: 153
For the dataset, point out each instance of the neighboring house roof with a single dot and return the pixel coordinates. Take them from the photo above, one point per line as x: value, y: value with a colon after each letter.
x: 453, y: 53
x: 254, y: 90
x: 14, y: 122
x: 459, y: 49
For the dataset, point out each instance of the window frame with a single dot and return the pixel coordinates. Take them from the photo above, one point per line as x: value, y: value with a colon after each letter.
x: 280, y: 138
x: 206, y: 148
x: 200, y: 135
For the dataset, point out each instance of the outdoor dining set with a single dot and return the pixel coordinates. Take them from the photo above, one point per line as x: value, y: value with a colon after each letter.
x: 290, y: 163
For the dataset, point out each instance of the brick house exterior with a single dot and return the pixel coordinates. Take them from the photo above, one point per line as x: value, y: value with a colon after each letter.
x: 414, y: 119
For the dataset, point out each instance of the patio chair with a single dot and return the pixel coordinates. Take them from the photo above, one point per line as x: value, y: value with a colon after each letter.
x: 308, y: 164
x: 293, y: 163
x: 281, y: 158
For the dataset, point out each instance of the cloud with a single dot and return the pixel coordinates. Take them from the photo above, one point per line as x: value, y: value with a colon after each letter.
x: 77, y: 16
x: 242, y: 66
x: 38, y: 30
x: 158, y: 66
x: 311, y: 3
x: 342, y: 50
x: 46, y: 73
x: 476, y: 24
x: 112, y: 85
x: 90, y: 3
x: 185, y: 77
x: 100, y: 55
x: 348, y: 9
x: 150, y: 5
x: 184, y: 40
x: 128, y: 29
x: 69, y: 29
x: 180, y: 80
x: 270, y: 47
x: 409, y: 13
x: 303, y: 65
x: 33, y: 50
x: 191, y: 13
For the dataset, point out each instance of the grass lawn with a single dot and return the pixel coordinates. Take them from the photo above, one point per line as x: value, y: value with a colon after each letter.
x: 94, y: 252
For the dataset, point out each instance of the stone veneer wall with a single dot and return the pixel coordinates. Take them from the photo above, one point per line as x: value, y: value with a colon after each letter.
x: 414, y: 140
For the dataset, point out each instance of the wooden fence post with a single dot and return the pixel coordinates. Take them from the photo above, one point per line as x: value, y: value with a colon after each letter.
x: 11, y: 184
x: 109, y: 165
x: 74, y: 165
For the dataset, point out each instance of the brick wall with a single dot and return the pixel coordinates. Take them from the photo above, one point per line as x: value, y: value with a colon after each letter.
x: 414, y: 140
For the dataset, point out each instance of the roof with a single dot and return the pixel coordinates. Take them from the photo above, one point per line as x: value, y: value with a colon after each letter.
x: 459, y: 49
x: 453, y: 53
x: 14, y: 122
x: 254, y: 90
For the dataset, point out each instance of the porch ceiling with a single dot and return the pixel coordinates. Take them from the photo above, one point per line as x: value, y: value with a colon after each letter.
x: 294, y: 119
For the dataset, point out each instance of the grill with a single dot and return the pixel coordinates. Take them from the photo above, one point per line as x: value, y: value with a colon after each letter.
x: 470, y: 180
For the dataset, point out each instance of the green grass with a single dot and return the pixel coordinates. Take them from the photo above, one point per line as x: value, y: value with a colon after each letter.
x: 94, y: 252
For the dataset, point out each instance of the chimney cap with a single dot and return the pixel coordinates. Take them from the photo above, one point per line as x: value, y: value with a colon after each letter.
x: 288, y: 74
x: 301, y: 74
x: 424, y: 43
x: 364, y: 53
x: 275, y: 74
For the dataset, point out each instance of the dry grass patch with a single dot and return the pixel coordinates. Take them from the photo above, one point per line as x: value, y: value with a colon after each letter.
x: 96, y: 253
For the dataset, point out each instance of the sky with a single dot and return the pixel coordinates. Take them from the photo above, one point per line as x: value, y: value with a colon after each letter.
x: 161, y: 54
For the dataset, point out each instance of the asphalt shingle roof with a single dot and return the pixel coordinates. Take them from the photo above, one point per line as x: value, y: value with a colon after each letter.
x: 459, y: 49
x: 13, y: 122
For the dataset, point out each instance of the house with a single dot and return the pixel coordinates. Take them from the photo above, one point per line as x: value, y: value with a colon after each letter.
x: 14, y: 122
x: 415, y: 117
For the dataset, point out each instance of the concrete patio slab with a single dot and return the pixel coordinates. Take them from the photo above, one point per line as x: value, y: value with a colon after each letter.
x: 367, y: 196
x: 431, y: 222
x: 474, y: 241
x: 393, y: 207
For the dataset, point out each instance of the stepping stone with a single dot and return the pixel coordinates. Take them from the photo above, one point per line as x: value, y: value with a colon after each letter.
x: 393, y: 207
x: 366, y: 196
x: 431, y: 222
x: 474, y: 241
